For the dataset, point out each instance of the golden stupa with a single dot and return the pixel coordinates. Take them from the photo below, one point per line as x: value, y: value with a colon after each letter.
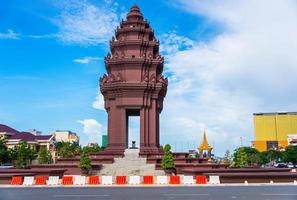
x: 204, y: 146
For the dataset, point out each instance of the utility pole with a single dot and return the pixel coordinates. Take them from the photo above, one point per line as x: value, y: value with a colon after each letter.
x: 241, y: 145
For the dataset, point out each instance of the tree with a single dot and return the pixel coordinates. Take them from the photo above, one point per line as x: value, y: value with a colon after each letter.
x: 227, y: 159
x: 263, y: 158
x: 4, y: 152
x: 92, y: 149
x: 67, y: 149
x: 168, y: 159
x: 44, y: 156
x: 272, y: 155
x: 24, y: 154
x: 85, y: 161
x: 240, y: 158
x: 290, y: 154
x: 248, y: 156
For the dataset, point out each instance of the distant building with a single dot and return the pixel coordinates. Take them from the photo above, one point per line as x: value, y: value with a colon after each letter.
x: 104, y: 141
x: 14, y: 137
x: 93, y: 144
x: 275, y: 130
x: 66, y: 136
x: 6, y: 131
x: 37, y: 141
x: 34, y: 132
x: 292, y: 140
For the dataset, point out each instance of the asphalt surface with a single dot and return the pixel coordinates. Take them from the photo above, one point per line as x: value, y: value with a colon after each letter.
x: 149, y: 193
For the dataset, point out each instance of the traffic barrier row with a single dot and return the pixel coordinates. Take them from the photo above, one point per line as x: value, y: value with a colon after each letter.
x: 109, y: 180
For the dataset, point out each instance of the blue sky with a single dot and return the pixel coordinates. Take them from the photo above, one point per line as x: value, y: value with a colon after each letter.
x: 225, y: 61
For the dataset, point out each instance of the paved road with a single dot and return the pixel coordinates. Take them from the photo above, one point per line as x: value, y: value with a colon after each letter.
x: 149, y: 193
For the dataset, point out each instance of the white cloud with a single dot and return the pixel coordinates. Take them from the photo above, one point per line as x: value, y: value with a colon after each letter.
x: 172, y: 43
x: 9, y: 35
x: 99, y: 102
x: 250, y: 67
x: 86, y: 60
x: 83, y: 23
x: 92, y: 130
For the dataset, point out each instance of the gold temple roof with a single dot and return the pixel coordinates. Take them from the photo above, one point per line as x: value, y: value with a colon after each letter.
x: 204, y: 146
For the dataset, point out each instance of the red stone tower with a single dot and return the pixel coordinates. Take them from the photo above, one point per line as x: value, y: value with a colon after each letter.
x: 134, y: 84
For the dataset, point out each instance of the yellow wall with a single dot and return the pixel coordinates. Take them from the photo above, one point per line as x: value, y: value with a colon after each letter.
x: 274, y: 127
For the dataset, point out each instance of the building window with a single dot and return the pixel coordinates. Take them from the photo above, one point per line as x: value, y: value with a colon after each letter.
x: 272, y: 145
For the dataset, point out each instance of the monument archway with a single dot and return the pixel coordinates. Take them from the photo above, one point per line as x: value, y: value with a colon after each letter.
x: 134, y: 84
x: 131, y: 116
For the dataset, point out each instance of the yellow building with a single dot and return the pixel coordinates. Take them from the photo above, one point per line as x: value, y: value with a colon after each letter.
x: 66, y: 136
x: 274, y: 130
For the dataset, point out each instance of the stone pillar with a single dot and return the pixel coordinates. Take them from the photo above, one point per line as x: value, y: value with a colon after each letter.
x: 117, y: 136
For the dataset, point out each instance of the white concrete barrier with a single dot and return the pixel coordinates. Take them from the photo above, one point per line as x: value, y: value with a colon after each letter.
x: 106, y: 180
x: 53, y: 180
x: 188, y: 180
x: 79, y: 180
x: 28, y: 180
x: 162, y: 180
x: 214, y: 180
x: 134, y: 180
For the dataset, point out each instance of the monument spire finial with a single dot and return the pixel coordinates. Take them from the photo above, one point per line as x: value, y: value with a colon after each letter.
x: 135, y: 13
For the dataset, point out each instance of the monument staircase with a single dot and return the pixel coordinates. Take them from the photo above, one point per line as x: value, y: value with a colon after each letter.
x: 129, y: 165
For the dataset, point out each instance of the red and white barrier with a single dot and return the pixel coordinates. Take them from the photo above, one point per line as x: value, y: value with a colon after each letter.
x: 94, y: 180
x: 162, y: 180
x: 148, y: 180
x: 214, y: 180
x: 109, y: 180
x: 53, y: 180
x: 188, y: 180
x: 79, y: 180
x: 28, y: 180
x: 40, y: 180
x: 106, y: 180
x: 67, y: 180
x: 134, y: 180
x: 16, y: 180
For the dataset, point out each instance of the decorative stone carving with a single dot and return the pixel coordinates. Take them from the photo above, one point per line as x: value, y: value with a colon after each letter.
x: 116, y: 56
x: 145, y: 78
x: 153, y: 78
x: 162, y: 80
x: 160, y: 58
x: 108, y: 57
x: 111, y: 78
x: 123, y: 54
x: 103, y: 80
x: 119, y: 77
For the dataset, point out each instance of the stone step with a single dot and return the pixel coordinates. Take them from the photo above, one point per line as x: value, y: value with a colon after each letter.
x: 130, y: 165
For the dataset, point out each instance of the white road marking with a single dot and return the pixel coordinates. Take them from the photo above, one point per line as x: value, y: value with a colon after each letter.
x: 184, y: 195
x: 80, y: 195
x: 279, y: 194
